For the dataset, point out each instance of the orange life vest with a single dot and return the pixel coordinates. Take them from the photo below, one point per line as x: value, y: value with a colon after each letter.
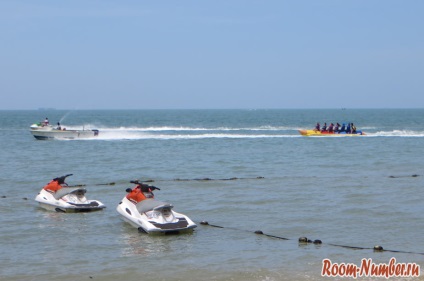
x: 53, y: 186
x: 136, y: 195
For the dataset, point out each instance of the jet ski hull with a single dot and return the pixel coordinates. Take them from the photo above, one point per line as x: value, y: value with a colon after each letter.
x: 159, y: 218
x: 69, y: 203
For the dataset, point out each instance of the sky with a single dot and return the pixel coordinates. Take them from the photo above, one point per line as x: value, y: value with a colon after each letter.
x: 135, y: 54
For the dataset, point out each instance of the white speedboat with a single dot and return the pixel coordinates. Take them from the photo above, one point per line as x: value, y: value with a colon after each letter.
x: 154, y: 217
x: 67, y: 199
x: 47, y: 132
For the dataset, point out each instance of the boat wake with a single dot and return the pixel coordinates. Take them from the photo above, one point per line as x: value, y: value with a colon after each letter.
x: 166, y: 128
x: 115, y: 136
x: 175, y: 132
x: 167, y: 132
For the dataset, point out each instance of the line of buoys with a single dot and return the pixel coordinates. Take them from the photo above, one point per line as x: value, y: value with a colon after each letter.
x: 75, y: 185
x: 97, y: 184
x: 205, y: 180
x: 411, y: 176
x: 152, y: 180
x: 212, y: 179
x: 225, y: 179
x: 110, y: 183
x: 177, y: 179
x: 201, y: 179
x: 23, y: 198
x: 304, y: 240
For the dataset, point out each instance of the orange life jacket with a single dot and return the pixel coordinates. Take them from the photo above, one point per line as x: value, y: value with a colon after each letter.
x: 53, y: 186
x: 136, y: 195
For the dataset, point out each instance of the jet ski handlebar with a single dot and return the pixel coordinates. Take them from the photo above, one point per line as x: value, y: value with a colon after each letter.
x: 144, y: 184
x: 65, y: 176
x: 61, y: 179
x: 135, y: 182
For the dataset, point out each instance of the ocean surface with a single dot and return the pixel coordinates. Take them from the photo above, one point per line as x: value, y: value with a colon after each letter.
x: 242, y: 170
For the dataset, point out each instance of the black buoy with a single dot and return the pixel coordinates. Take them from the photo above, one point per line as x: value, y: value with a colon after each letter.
x: 259, y: 232
x: 378, y: 248
x: 303, y: 240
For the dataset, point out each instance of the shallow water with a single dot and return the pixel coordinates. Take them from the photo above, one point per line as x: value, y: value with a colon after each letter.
x: 356, y: 191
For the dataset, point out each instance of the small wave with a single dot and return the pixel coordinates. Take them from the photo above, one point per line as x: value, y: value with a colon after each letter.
x: 399, y: 133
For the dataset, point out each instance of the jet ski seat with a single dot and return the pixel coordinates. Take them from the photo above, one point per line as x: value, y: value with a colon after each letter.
x: 150, y: 204
x: 66, y: 190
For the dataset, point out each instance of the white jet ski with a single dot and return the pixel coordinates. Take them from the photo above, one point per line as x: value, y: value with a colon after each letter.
x: 152, y: 216
x: 66, y: 199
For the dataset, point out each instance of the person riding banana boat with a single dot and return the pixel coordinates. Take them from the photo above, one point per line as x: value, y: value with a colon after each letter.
x: 345, y: 130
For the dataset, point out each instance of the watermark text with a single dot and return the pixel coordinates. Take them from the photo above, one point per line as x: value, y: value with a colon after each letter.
x: 368, y: 268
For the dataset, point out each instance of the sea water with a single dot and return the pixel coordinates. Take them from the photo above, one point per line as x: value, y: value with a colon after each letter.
x: 241, y: 170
